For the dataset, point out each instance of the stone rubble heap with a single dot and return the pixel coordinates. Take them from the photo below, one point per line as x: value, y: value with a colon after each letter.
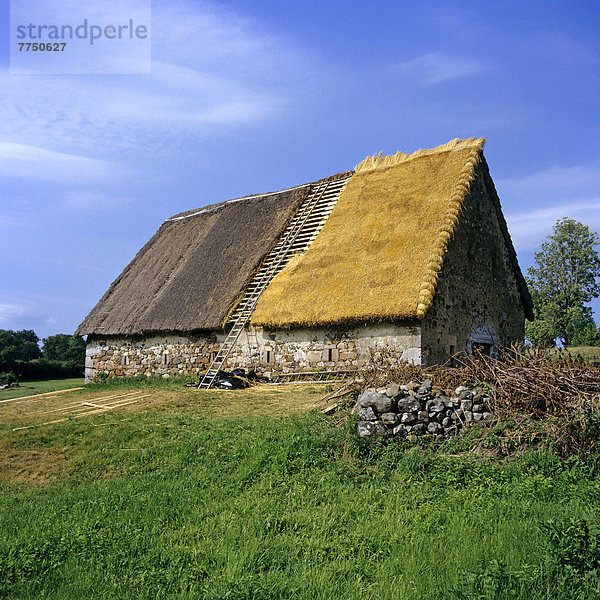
x: 418, y: 408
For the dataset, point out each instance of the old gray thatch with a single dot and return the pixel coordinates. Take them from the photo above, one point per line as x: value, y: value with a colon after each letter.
x: 194, y: 269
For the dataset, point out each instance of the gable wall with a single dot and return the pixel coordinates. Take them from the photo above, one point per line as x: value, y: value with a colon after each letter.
x: 476, y: 286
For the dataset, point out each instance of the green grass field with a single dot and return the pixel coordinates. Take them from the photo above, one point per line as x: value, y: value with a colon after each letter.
x: 252, y: 494
x: 586, y: 352
x: 27, y: 388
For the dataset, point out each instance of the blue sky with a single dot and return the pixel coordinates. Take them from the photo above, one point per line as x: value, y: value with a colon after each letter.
x: 249, y: 97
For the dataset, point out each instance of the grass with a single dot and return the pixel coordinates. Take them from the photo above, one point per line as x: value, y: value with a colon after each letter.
x: 250, y: 494
x: 586, y: 352
x: 28, y: 388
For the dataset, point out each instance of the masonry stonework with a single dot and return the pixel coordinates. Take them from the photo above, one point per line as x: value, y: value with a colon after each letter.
x: 267, y: 351
x: 477, y: 297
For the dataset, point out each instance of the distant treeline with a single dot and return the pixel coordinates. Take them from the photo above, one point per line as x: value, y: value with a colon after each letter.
x: 60, y: 356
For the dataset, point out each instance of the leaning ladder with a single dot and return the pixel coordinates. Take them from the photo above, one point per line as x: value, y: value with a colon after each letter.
x: 299, y: 234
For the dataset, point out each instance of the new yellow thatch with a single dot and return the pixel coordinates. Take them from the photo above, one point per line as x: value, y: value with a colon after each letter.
x: 381, y: 250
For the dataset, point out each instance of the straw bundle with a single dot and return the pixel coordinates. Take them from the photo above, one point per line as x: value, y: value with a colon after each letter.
x: 381, y: 250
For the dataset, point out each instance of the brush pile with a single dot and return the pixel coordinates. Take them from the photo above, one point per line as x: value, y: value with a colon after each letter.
x: 538, y: 396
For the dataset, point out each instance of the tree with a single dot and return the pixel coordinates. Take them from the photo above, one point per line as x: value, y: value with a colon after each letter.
x: 64, y: 348
x: 564, y: 278
x: 18, y: 345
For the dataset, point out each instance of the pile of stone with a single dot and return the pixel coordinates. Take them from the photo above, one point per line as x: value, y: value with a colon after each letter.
x: 418, y: 408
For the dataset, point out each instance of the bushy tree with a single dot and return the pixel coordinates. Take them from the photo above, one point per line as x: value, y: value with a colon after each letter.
x: 563, y: 280
x: 65, y: 348
x: 18, y: 345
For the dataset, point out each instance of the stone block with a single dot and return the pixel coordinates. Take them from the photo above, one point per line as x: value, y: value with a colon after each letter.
x: 314, y: 356
x: 381, y: 430
x: 400, y: 430
x: 409, y: 405
x: 435, y: 406
x: 392, y: 390
x: 408, y: 417
x: 365, y: 400
x: 366, y: 428
x: 367, y: 414
x: 433, y: 427
x: 389, y: 419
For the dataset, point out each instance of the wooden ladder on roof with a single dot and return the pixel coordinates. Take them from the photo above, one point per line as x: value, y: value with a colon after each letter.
x: 296, y: 238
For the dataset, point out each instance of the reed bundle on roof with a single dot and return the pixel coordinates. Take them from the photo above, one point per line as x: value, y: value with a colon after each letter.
x: 380, y: 252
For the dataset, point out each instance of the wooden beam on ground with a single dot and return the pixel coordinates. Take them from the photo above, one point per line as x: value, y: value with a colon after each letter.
x: 97, y: 411
x: 73, y: 405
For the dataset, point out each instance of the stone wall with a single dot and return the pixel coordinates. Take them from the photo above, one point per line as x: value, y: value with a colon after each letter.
x: 165, y: 356
x: 266, y: 351
x: 418, y: 408
x: 477, y: 295
x: 336, y: 348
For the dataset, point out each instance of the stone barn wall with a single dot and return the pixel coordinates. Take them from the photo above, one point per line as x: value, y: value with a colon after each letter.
x: 286, y: 351
x: 477, y: 295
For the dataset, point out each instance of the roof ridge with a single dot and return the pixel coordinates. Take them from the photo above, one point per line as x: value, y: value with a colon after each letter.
x: 377, y: 161
x: 220, y: 205
x: 446, y: 231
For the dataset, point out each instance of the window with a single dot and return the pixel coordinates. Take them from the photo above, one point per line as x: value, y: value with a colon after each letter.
x: 268, y: 355
x: 125, y: 360
x: 330, y: 355
x: 481, y: 348
x: 483, y: 341
x: 165, y: 359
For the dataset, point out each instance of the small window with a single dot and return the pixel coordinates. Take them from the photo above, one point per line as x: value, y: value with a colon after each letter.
x: 452, y: 350
x: 330, y: 355
x: 268, y: 356
x: 483, y: 349
x: 125, y: 360
x: 165, y: 359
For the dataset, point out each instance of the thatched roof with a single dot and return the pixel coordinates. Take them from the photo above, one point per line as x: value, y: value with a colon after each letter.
x: 194, y: 269
x: 377, y: 257
x: 381, y: 250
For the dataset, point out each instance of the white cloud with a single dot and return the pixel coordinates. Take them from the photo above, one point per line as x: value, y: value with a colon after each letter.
x: 10, y: 311
x: 529, y: 228
x: 554, y: 182
x: 32, y: 162
x: 437, y: 68
x: 182, y: 97
x: 211, y: 67
x: 31, y: 313
x: 552, y: 194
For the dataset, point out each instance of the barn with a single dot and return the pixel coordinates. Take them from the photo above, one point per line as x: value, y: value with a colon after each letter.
x: 406, y: 257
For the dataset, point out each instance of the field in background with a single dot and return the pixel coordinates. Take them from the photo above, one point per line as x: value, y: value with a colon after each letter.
x: 254, y: 494
x: 586, y: 352
x: 27, y: 388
